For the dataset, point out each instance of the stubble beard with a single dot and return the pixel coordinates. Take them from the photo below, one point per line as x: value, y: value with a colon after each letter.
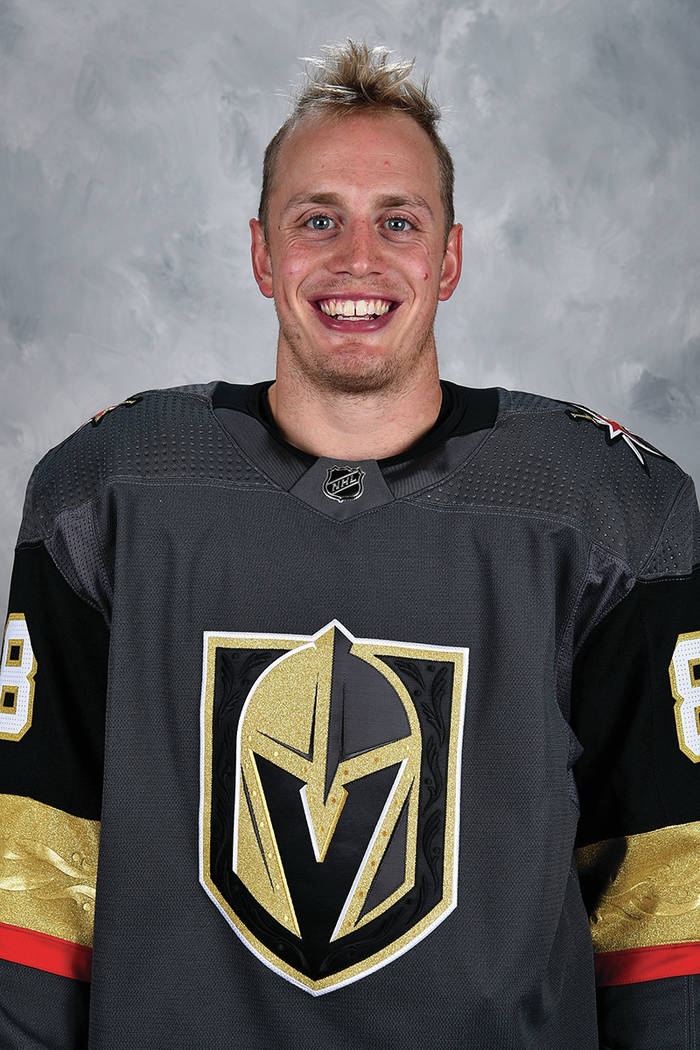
x: 355, y: 371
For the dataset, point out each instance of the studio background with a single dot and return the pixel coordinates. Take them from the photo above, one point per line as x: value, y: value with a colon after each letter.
x: 131, y: 141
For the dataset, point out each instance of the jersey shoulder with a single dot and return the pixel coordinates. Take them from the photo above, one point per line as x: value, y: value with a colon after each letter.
x: 611, y: 445
x: 561, y: 461
x: 153, y: 435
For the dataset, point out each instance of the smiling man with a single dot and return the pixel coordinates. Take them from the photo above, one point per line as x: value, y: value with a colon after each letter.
x: 357, y: 246
x: 355, y: 709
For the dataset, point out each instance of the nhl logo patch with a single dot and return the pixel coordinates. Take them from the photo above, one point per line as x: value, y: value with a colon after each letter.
x: 344, y: 483
x: 330, y: 797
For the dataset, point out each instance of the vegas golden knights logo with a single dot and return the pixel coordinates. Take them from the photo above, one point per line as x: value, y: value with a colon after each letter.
x: 329, y: 814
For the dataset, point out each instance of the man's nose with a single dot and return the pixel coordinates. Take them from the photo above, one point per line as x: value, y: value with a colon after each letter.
x: 358, y: 251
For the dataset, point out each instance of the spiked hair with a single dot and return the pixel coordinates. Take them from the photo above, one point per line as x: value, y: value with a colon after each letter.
x: 355, y: 78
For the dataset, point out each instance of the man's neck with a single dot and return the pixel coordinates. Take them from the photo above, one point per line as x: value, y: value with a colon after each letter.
x: 373, y: 425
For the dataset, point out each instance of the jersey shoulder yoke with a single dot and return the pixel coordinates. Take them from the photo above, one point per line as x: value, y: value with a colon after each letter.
x: 154, y: 435
x: 562, y: 462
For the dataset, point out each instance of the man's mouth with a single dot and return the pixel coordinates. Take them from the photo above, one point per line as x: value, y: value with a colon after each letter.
x: 355, y: 310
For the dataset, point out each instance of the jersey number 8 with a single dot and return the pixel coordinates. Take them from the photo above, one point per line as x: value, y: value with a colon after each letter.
x: 684, y: 672
x: 16, y: 679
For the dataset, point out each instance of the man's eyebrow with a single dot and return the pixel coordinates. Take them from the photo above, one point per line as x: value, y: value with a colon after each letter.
x: 409, y: 201
x: 394, y: 200
x: 311, y: 197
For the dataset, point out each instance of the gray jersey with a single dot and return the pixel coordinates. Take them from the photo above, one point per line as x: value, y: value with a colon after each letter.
x: 337, y: 733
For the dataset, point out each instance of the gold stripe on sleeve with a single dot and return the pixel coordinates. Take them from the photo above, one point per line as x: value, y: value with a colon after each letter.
x: 643, y: 890
x: 48, y: 869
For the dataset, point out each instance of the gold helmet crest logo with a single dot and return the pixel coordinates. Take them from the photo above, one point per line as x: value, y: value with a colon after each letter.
x: 330, y: 796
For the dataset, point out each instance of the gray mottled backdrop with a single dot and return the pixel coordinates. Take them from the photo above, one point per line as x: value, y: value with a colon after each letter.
x: 131, y: 138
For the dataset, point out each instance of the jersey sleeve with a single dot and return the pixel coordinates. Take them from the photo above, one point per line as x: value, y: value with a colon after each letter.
x: 636, y: 713
x: 52, y: 699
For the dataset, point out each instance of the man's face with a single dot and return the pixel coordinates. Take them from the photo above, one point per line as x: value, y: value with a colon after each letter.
x: 355, y: 255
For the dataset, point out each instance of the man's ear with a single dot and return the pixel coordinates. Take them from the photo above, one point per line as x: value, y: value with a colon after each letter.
x: 260, y: 256
x: 451, y: 262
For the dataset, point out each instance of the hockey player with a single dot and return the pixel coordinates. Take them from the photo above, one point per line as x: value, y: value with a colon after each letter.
x: 314, y: 692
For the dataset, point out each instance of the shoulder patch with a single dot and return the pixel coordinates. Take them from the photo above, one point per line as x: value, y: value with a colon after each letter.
x: 99, y: 416
x: 615, y: 432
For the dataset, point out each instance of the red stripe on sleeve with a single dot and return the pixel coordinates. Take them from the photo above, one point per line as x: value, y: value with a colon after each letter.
x: 43, y: 952
x: 647, y: 964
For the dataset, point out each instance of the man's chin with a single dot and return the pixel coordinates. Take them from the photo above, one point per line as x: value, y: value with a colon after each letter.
x: 352, y: 371
x: 356, y: 367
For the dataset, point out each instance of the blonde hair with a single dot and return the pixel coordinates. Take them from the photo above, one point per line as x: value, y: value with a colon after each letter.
x: 352, y: 78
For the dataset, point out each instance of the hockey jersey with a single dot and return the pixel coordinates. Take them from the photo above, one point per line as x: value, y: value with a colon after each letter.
x: 299, y: 751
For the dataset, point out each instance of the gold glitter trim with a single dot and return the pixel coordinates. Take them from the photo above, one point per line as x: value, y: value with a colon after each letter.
x: 48, y: 869
x: 369, y: 650
x: 650, y: 887
x: 8, y: 708
x: 14, y: 645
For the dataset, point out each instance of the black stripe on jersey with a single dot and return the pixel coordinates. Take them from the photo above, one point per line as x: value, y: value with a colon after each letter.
x: 633, y: 776
x: 653, y: 1014
x: 59, y: 760
x: 41, y: 1009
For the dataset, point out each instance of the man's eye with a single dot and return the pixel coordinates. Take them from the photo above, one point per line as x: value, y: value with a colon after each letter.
x: 320, y: 222
x: 397, y: 224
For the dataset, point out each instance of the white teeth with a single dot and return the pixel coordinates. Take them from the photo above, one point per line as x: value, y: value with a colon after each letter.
x: 354, y: 307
